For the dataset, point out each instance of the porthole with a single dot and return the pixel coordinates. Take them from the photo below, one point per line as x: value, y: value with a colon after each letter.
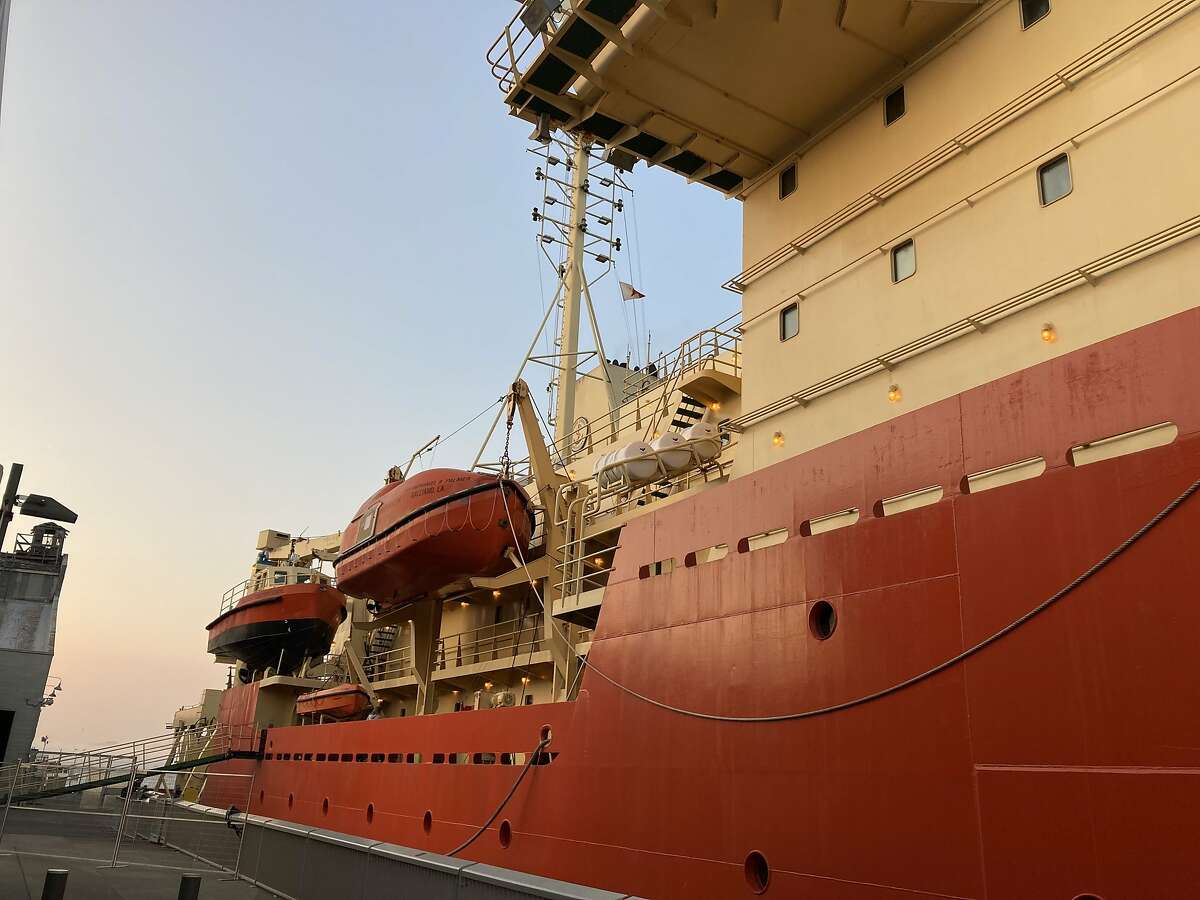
x: 505, y: 834
x: 822, y: 620
x: 546, y: 734
x: 325, y: 807
x: 427, y: 822
x: 758, y: 873
x: 370, y: 813
x: 1088, y: 897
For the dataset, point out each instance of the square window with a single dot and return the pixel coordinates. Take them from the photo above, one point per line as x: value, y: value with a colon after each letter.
x: 787, y: 181
x: 904, y: 261
x: 893, y: 106
x: 789, y: 322
x: 1033, y: 11
x: 1054, y: 180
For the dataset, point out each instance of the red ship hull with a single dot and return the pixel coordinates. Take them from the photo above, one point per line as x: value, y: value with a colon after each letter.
x: 298, y: 620
x: 1060, y: 761
x: 439, y: 526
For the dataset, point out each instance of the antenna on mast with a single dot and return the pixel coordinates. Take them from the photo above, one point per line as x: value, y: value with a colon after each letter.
x: 581, y: 197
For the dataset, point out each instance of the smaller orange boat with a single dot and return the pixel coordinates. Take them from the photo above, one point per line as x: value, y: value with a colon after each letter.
x: 346, y: 701
x: 278, y: 626
x: 414, y: 536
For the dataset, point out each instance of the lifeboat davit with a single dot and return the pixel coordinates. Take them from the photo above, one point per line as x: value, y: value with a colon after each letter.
x: 345, y: 701
x: 412, y: 537
x: 278, y: 627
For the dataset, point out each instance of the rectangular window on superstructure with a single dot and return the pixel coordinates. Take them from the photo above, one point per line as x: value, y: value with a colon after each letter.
x: 1054, y: 180
x: 789, y: 321
x: 893, y: 106
x: 1033, y: 11
x: 904, y: 261
x: 787, y: 181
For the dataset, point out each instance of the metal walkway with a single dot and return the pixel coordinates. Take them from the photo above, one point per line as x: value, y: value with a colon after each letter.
x: 52, y: 774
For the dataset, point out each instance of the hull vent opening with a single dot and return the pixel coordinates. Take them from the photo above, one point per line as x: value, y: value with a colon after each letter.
x: 905, y: 502
x: 1123, y: 444
x: 821, y: 524
x: 662, y: 567
x: 1001, y: 476
x: 762, y: 540
x: 707, y: 555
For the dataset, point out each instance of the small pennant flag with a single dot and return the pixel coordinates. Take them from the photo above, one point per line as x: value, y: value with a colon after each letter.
x: 629, y: 292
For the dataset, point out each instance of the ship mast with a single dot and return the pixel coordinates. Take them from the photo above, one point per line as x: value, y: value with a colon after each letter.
x: 564, y: 420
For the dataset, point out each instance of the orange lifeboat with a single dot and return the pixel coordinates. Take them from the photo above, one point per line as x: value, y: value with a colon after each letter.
x: 279, y: 626
x: 342, y: 702
x: 413, y: 537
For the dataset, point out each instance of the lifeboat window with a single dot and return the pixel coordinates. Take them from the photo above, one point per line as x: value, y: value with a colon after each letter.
x: 1033, y: 11
x: 789, y: 322
x: 893, y: 106
x: 366, y: 525
x: 1054, y: 180
x: 904, y: 261
x: 377, y: 757
x: 1123, y: 444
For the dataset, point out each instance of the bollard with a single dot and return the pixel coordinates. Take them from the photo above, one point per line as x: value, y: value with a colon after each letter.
x: 189, y: 887
x: 55, y: 887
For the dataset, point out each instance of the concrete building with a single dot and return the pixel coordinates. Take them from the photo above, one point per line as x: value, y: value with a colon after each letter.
x: 31, y: 578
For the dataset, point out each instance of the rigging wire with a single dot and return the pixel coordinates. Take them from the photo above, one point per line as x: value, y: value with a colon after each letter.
x: 1081, y: 579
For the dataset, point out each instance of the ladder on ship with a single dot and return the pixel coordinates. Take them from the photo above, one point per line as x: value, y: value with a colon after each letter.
x: 53, y: 774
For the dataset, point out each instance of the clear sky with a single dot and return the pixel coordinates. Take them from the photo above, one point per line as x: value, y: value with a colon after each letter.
x: 252, y: 254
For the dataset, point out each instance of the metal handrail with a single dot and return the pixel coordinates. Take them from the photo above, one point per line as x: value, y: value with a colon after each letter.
x: 509, y: 53
x: 490, y: 642
x: 388, y: 664
x: 260, y: 581
x: 64, y: 771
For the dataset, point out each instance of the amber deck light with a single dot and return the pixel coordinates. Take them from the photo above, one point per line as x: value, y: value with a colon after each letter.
x: 1049, y: 334
x: 895, y: 395
x: 777, y: 439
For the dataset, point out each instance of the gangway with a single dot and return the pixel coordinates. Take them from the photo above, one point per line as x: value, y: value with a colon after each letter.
x: 53, y: 774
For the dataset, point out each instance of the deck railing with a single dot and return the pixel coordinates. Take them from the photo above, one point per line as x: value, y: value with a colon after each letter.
x: 502, y: 640
x: 389, y: 664
x: 532, y: 26
x: 268, y: 578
